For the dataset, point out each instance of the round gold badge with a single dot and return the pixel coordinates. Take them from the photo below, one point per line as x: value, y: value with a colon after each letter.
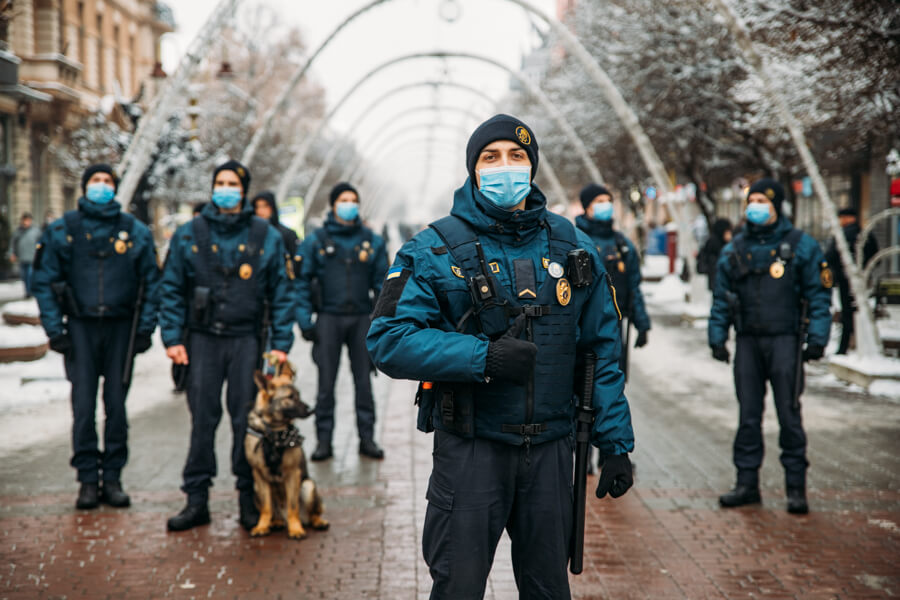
x: 621, y: 267
x: 563, y: 291
x: 523, y: 135
x: 120, y: 246
x: 245, y: 271
x: 776, y: 270
x: 363, y: 255
x: 827, y: 278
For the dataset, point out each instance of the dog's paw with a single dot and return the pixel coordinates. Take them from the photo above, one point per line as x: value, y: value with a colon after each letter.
x: 260, y: 531
x: 319, y: 524
x: 296, y: 532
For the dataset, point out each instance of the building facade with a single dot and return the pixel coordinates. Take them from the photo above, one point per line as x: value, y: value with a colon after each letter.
x: 59, y: 61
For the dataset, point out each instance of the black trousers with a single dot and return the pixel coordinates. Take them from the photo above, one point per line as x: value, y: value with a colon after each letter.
x: 98, y: 349
x: 759, y: 359
x: 334, y: 332
x: 213, y: 359
x: 479, y: 487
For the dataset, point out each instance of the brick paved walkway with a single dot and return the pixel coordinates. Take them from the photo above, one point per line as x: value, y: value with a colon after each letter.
x: 665, y: 539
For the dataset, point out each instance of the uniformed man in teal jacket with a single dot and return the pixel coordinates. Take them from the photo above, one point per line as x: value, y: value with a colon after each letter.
x: 488, y: 312
x: 764, y: 279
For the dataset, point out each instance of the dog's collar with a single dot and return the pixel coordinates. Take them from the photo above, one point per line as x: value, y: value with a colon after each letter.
x: 280, y: 438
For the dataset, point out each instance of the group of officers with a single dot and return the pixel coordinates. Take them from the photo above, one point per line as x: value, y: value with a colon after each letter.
x: 492, y: 309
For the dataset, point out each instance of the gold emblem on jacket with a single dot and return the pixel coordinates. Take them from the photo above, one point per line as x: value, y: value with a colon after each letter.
x: 563, y: 291
x: 776, y: 269
x: 120, y: 246
x: 245, y: 271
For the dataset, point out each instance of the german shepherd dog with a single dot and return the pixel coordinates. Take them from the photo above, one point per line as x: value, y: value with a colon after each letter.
x: 274, y: 449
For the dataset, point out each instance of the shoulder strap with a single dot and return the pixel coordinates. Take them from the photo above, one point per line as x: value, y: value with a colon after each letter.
x: 787, y: 248
x: 368, y: 236
x: 563, y: 237
x: 621, y: 243
x: 256, y: 239
x: 72, y: 219
x: 203, y: 264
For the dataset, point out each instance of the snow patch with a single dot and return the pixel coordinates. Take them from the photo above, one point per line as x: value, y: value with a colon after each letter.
x: 875, y: 366
x: 884, y: 524
x: 25, y: 308
x: 889, y: 388
x: 21, y: 336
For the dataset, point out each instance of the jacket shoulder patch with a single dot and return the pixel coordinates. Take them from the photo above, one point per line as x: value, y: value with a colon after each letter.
x: 394, y: 284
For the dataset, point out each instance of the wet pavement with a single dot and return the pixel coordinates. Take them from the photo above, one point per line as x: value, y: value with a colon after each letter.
x: 667, y: 538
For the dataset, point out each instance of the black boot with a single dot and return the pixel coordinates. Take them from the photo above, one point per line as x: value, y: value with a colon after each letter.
x: 796, y: 501
x: 323, y: 452
x: 370, y: 448
x: 249, y: 514
x: 190, y: 516
x: 739, y: 496
x: 88, y: 496
x: 111, y: 493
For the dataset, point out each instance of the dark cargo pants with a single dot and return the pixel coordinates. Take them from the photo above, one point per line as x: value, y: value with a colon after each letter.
x: 98, y: 349
x: 335, y: 331
x: 774, y: 359
x: 213, y: 359
x: 479, y: 487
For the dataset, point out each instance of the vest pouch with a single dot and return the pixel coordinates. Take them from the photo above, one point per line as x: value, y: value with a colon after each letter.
x: 493, y: 318
x: 425, y: 402
x: 454, y: 407
x: 200, y: 307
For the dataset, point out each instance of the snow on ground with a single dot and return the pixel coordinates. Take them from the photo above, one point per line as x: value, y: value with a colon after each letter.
x: 25, y: 308
x: 656, y: 266
x: 11, y: 290
x: 20, y: 336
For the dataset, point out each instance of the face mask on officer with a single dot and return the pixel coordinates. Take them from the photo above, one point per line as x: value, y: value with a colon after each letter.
x: 758, y: 213
x: 602, y: 211
x: 100, y: 193
x: 505, y: 186
x: 348, y: 211
x: 226, y: 197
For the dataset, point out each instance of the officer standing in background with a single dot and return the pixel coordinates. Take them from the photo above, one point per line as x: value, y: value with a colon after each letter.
x: 93, y: 270
x: 849, y: 220
x: 488, y: 311
x: 224, y: 272
x: 619, y: 257
x: 342, y: 269
x: 265, y: 207
x: 763, y: 277
x: 23, y: 248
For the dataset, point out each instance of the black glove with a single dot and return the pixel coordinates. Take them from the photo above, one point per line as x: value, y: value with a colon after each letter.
x: 813, y: 352
x: 509, y: 358
x: 615, y: 476
x: 641, y: 340
x: 61, y: 343
x: 310, y: 335
x: 142, y: 343
x: 721, y: 353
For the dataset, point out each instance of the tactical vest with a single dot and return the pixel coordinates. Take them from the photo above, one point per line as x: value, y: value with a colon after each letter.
x: 344, y: 282
x: 769, y: 296
x: 227, y: 299
x: 504, y: 411
x: 109, y: 263
x: 615, y: 259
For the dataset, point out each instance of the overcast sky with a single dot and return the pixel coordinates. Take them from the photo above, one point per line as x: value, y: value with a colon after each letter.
x: 495, y: 28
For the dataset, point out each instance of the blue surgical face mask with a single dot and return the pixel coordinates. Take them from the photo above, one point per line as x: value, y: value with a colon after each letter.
x: 505, y: 187
x: 348, y: 211
x: 758, y: 213
x: 603, y: 211
x: 226, y: 197
x: 101, y: 193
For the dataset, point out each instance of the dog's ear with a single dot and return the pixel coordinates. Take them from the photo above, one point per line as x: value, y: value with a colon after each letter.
x: 286, y: 369
x: 261, y: 381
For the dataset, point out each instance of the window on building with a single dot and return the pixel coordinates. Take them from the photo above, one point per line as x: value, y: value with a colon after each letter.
x: 117, y: 56
x: 46, y: 39
x: 132, y: 61
x: 101, y: 56
x: 81, y: 36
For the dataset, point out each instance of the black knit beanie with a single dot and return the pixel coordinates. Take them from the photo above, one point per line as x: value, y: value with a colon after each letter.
x: 340, y: 189
x: 591, y: 191
x: 501, y: 127
x: 239, y: 170
x: 771, y: 189
x: 98, y: 168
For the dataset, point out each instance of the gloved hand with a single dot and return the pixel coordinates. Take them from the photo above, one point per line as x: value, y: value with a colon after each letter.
x: 510, y: 358
x: 721, y: 353
x: 813, y: 352
x: 310, y: 335
x: 61, y: 343
x: 615, y: 476
x: 142, y: 343
x: 641, y: 340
